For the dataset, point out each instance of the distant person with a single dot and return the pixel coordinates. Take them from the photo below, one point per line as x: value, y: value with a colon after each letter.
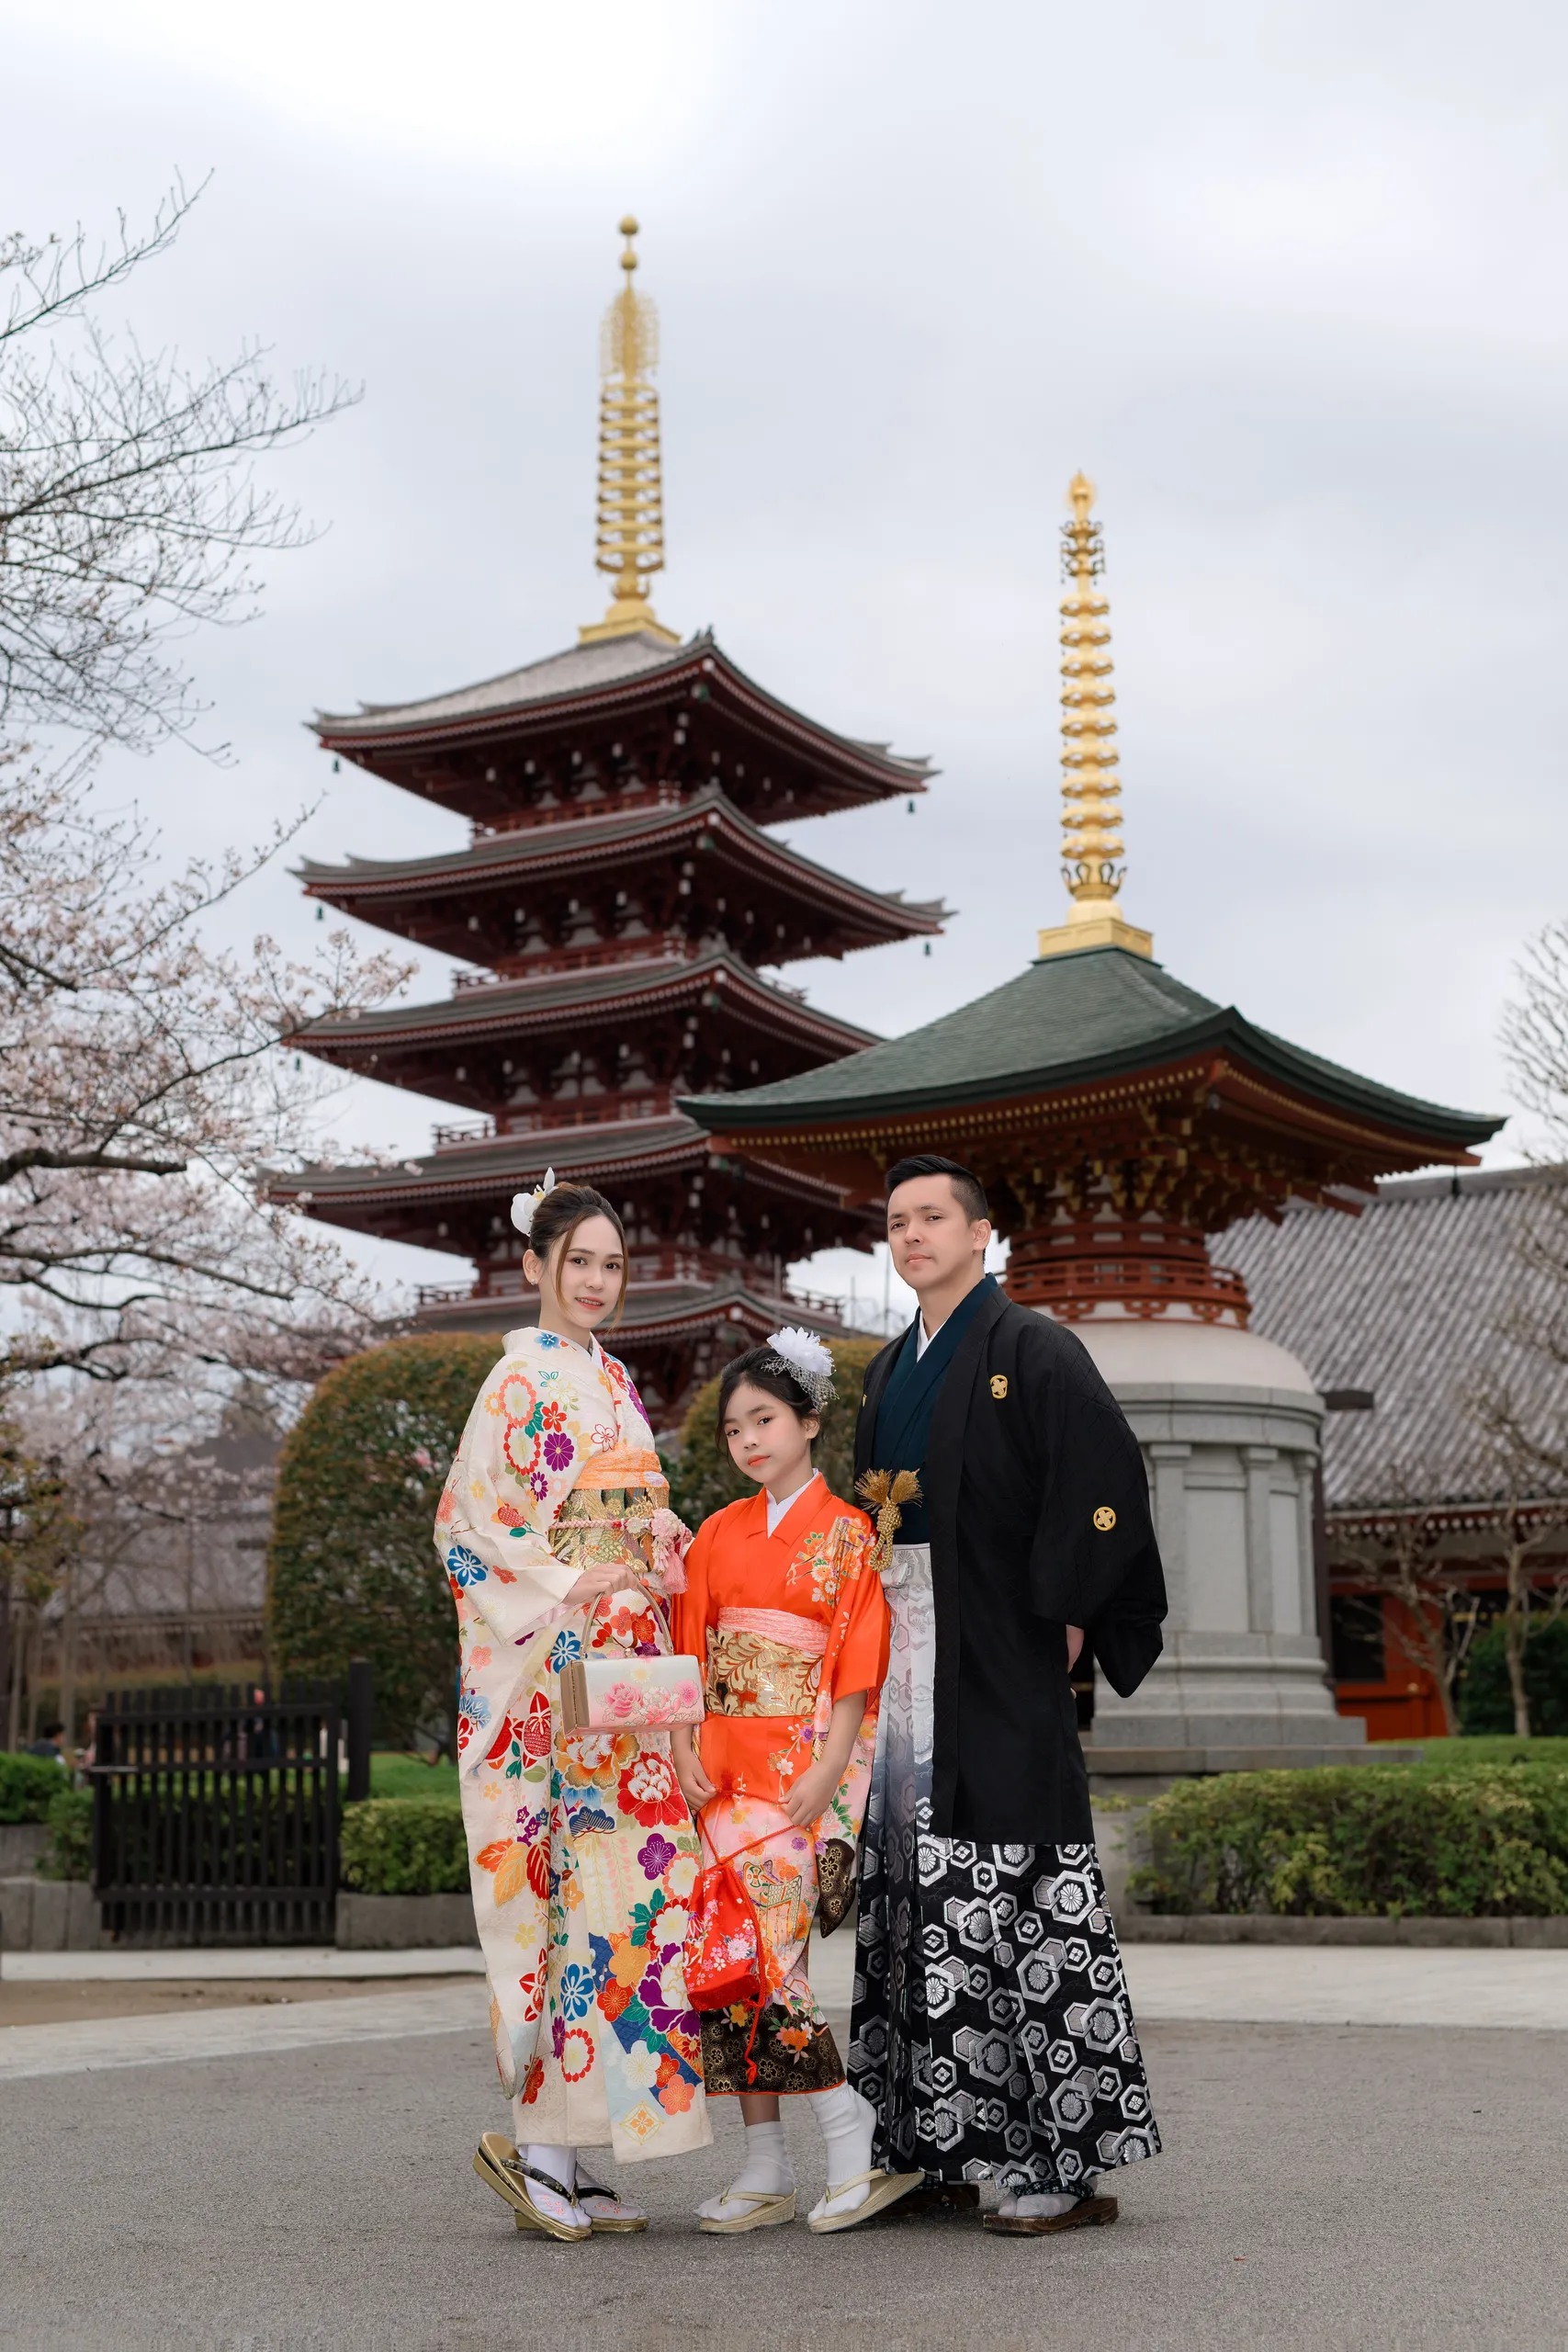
x: 48, y: 1743
x: 992, y: 2032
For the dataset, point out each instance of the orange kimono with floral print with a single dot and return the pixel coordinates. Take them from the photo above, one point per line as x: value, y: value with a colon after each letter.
x: 784, y: 1625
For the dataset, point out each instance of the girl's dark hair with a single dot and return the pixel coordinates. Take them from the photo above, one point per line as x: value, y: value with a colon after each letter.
x: 557, y: 1218
x: 758, y: 1369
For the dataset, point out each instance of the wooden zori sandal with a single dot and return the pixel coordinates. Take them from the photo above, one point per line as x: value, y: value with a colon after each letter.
x: 1088, y: 2214
x: 885, y: 2188
x: 763, y: 2209
x: 499, y: 2166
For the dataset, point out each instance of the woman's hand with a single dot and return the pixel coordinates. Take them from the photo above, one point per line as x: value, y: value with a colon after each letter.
x: 696, y: 1786
x: 594, y: 1583
x: 811, y: 1794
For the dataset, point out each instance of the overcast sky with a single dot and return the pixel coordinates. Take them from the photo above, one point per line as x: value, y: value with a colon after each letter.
x: 1286, y: 280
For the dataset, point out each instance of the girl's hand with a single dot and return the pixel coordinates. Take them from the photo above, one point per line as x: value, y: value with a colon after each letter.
x: 696, y: 1786
x: 594, y: 1583
x: 812, y: 1796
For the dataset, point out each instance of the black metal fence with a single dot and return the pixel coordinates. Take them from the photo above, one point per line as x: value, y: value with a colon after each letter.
x: 216, y: 1815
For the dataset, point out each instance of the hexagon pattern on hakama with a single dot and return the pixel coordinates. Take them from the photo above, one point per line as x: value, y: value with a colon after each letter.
x: 992, y: 2029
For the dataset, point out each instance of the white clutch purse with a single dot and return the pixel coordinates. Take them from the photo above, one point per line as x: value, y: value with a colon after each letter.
x: 630, y: 1693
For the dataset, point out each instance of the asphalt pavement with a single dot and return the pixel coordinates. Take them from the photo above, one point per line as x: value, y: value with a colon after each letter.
x: 1375, y: 2185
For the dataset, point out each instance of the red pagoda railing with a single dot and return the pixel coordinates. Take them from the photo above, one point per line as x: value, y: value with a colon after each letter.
x: 598, y: 1110
x: 1143, y: 1270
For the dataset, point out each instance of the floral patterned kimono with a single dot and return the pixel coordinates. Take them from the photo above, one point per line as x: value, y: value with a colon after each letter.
x: 786, y: 1622
x: 581, y: 1848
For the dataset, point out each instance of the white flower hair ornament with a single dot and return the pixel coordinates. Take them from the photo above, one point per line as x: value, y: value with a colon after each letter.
x: 524, y: 1203
x: 802, y: 1355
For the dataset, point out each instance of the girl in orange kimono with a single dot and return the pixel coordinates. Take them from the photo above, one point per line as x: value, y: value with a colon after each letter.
x: 786, y: 1609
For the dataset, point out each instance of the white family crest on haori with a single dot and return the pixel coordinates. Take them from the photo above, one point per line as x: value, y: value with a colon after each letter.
x: 803, y: 1355
x: 524, y: 1203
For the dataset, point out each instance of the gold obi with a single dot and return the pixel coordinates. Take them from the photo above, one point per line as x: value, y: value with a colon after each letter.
x: 754, y: 1673
x: 598, y: 1524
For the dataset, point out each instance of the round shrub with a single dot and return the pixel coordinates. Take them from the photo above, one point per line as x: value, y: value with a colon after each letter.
x: 703, y: 1479
x: 1363, y: 1841
x: 1486, y: 1698
x: 352, y: 1571
x: 28, y: 1785
x: 405, y: 1846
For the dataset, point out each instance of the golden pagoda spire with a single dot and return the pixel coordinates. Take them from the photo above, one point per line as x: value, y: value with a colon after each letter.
x: 629, y: 544
x: 1091, y: 789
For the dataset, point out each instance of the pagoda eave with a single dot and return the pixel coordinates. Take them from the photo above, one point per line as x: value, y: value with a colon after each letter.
x: 574, y: 693
x: 499, y: 1010
x: 1208, y: 1115
x: 408, y: 895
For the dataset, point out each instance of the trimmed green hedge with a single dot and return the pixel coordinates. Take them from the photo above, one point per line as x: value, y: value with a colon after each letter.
x: 703, y: 1479
x: 352, y: 1571
x: 1360, y: 1840
x: 70, y: 1851
x: 27, y: 1785
x: 405, y: 1846
x: 1485, y: 1700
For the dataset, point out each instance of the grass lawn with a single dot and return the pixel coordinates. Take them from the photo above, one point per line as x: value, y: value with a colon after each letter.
x: 394, y: 1774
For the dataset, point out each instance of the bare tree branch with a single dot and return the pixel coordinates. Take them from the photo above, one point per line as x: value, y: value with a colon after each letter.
x: 128, y: 505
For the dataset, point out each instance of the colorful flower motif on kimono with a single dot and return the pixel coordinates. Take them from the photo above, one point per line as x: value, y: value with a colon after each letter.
x: 641, y: 2066
x: 596, y: 1759
x: 577, y: 1990
x: 473, y: 1713
x: 630, y: 1629
x: 566, y: 1646
x: 532, y: 1986
x: 650, y: 1793
x: 819, y: 1565
x: 560, y: 1451
x: 656, y: 1856
x: 464, y: 1568
x: 577, y: 2054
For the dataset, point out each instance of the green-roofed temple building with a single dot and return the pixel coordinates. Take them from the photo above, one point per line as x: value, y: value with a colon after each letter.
x: 1118, y: 1119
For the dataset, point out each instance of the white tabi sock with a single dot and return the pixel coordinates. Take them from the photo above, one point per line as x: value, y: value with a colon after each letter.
x: 1035, y: 2208
x: 768, y: 2171
x: 847, y: 2123
x: 561, y: 2165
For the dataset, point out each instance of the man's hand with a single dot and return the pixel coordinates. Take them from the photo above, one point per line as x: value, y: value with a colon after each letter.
x: 1075, y: 1645
x: 812, y: 1796
x: 696, y: 1786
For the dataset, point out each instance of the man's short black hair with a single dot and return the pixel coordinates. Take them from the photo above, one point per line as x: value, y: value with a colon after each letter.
x: 966, y: 1183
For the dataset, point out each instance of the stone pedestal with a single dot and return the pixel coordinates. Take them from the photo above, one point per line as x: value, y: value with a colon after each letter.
x: 1229, y: 1425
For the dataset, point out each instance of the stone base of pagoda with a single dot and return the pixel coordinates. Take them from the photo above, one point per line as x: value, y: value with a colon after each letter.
x: 1229, y: 1424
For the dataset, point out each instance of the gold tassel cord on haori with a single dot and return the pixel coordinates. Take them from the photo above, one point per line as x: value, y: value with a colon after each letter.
x: 884, y: 1493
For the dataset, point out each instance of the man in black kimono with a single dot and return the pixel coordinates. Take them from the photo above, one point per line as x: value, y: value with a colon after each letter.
x: 992, y: 2032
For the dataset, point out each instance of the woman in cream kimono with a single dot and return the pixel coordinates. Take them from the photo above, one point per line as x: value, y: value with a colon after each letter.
x: 554, y: 1531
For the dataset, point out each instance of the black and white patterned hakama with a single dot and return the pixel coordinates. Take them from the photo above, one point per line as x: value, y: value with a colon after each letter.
x: 992, y: 2029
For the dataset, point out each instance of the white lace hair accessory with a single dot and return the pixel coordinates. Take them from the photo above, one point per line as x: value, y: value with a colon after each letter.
x: 802, y: 1355
x: 524, y: 1203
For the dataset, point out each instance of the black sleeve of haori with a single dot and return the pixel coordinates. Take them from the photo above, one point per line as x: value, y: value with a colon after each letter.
x: 1094, y: 1562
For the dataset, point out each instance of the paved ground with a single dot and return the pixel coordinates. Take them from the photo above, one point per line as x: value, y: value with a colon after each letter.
x: 61, y: 2001
x: 1363, y: 2186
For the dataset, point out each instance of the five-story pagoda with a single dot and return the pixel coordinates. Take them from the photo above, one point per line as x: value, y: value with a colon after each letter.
x: 619, y: 899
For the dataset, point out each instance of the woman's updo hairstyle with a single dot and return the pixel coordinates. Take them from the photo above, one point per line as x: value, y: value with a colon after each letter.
x: 760, y: 1368
x: 556, y: 1219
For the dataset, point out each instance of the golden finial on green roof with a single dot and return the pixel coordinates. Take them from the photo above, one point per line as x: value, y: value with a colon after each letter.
x: 629, y: 543
x: 1091, y: 788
